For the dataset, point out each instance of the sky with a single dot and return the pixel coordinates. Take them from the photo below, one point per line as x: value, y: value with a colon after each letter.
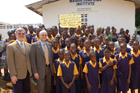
x: 15, y: 12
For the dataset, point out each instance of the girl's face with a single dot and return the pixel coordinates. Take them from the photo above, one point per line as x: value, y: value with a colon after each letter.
x: 97, y: 42
x: 107, y: 32
x: 121, y: 41
x: 49, y: 33
x: 73, y: 49
x: 123, y: 48
x: 87, y: 44
x: 67, y: 55
x: 87, y: 32
x: 93, y: 58
x: 71, y: 32
x: 91, y: 31
x: 81, y: 43
x: 55, y: 32
x: 67, y: 42
x: 107, y: 41
x: 107, y: 53
x: 78, y: 31
x: 55, y: 43
x: 64, y: 35
x: 135, y: 45
x: 130, y: 42
x: 111, y: 45
x: 92, y: 43
x: 133, y: 37
x: 61, y: 55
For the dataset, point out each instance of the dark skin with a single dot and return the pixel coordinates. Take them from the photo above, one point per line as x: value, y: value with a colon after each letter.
x: 97, y: 43
x: 107, y: 31
x: 81, y: 43
x: 78, y: 31
x: 134, y: 37
x: 37, y: 32
x: 65, y: 35
x: 98, y: 32
x: 93, y: 60
x: 92, y: 43
x: 92, y: 30
x: 87, y: 32
x: 55, y: 31
x: 114, y: 35
x: 107, y: 39
x: 68, y: 42
x: 73, y: 53
x: 55, y: 44
x: 123, y: 51
x: 111, y: 45
x: 30, y: 29
x: 71, y: 32
x: 61, y: 57
x: 67, y: 58
x: 107, y: 56
x: 49, y: 31
x: 135, y: 46
x: 87, y: 48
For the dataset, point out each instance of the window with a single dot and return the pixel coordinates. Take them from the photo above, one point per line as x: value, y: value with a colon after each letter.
x: 84, y: 19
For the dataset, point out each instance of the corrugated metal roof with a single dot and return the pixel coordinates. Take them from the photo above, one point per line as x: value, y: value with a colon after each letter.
x: 3, y: 23
x: 37, y: 6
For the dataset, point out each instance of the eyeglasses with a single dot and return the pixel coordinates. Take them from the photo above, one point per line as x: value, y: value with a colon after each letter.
x: 21, y: 33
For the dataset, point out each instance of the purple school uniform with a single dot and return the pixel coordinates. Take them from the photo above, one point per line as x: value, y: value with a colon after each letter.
x: 107, y: 75
x: 85, y: 58
x: 62, y: 43
x: 68, y: 76
x: 135, y: 72
x: 123, y: 71
x: 55, y: 53
x: 127, y: 38
x: 29, y: 37
x: 117, y: 50
x: 93, y: 77
x: 112, y: 55
x: 58, y: 81
x: 49, y: 39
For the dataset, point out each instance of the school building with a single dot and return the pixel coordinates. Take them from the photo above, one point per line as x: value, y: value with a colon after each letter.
x: 118, y: 13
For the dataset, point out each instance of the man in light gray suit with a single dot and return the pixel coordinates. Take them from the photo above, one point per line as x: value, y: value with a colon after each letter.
x: 41, y: 57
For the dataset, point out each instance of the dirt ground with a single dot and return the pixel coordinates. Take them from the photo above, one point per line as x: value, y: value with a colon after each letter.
x: 6, y: 87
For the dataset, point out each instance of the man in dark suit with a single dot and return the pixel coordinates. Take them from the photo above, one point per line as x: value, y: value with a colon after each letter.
x: 19, y: 63
x: 41, y: 57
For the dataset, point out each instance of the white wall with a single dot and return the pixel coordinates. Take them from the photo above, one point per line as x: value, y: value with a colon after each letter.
x: 118, y: 13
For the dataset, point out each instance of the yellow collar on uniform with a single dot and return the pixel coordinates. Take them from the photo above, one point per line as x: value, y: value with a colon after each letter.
x: 136, y: 55
x: 67, y: 65
x: 94, y: 65
x: 60, y: 60
x: 78, y: 35
x: 127, y: 35
x: 80, y: 48
x: 32, y: 34
x: 120, y: 55
x: 86, y: 52
x: 55, y: 36
x: 37, y: 38
x: 66, y: 48
x: 73, y: 57
x: 98, y: 49
x: 49, y: 39
x: 11, y: 41
x: 82, y: 32
x: 113, y: 53
x: 55, y: 51
x: 110, y: 60
x: 86, y: 37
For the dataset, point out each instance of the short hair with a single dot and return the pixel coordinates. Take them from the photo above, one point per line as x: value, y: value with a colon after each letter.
x: 61, y: 50
x: 88, y: 40
x: 92, y: 53
x: 123, y: 38
x: 111, y: 42
x: 107, y: 48
x: 136, y: 41
x: 72, y: 44
x: 108, y: 38
x: 42, y: 31
x: 67, y: 51
x: 54, y: 39
x: 82, y: 38
x: 123, y: 44
x: 72, y: 37
x: 19, y: 30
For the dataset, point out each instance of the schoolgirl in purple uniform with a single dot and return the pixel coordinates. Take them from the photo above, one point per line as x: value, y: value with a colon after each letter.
x: 91, y: 70
x: 124, y: 61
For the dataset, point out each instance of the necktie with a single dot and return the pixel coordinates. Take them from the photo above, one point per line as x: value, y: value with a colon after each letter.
x: 46, y: 55
x: 22, y: 48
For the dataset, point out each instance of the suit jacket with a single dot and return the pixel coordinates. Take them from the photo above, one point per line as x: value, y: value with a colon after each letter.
x: 38, y: 60
x: 18, y: 62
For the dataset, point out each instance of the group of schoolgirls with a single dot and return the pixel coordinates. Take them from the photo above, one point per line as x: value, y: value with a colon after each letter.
x: 85, y: 62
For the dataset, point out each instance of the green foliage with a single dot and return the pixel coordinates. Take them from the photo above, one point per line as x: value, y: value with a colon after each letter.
x: 137, y: 20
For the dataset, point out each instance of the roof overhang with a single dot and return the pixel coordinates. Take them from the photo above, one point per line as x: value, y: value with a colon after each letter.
x: 37, y: 6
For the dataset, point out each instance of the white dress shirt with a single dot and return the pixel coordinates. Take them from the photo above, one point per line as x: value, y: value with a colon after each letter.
x: 20, y: 43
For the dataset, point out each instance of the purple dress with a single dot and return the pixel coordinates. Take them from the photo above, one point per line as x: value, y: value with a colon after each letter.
x: 85, y: 58
x: 93, y: 77
x: 107, y: 75
x: 135, y: 73
x: 58, y: 81
x: 123, y: 72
